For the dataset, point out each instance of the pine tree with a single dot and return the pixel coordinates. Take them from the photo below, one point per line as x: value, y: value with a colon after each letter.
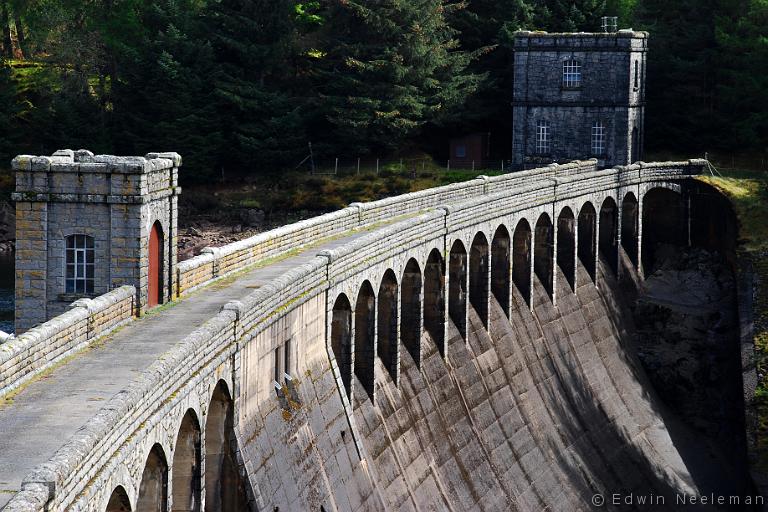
x: 257, y: 81
x: 741, y: 102
x: 388, y: 68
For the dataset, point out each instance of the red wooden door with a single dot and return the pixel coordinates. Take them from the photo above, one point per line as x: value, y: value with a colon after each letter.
x: 155, y: 260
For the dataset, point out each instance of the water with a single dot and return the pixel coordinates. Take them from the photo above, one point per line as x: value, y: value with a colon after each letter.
x: 6, y: 292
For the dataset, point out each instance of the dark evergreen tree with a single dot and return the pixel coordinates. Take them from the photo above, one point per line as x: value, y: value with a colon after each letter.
x: 388, y: 68
x: 164, y: 95
x: 681, y: 73
x: 256, y: 83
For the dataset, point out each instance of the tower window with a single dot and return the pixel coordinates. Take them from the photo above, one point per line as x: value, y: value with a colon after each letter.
x: 598, y: 138
x: 571, y: 74
x: 80, y: 263
x: 637, y: 75
x: 542, y: 137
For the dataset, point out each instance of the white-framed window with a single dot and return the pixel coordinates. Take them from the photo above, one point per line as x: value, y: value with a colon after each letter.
x: 571, y: 73
x: 79, y: 264
x: 543, y: 137
x: 598, y: 138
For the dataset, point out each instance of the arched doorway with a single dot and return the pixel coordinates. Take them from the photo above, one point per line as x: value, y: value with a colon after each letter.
x: 500, y: 266
x: 410, y: 321
x: 434, y: 299
x: 543, y: 257
x: 566, y: 245
x: 608, y: 235
x: 587, y: 241
x: 457, y: 287
x: 155, y: 272
x: 629, y: 226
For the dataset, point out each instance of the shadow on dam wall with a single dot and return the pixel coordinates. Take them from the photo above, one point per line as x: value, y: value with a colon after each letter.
x: 542, y: 411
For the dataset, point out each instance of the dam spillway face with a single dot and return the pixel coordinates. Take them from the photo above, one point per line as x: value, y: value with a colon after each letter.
x: 549, y: 409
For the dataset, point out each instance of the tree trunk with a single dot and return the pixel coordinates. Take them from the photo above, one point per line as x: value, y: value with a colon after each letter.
x: 7, y: 41
x: 20, y: 35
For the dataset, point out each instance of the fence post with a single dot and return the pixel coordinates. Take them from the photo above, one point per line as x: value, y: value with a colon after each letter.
x: 358, y: 166
x: 473, y: 166
x: 401, y: 165
x: 377, y: 167
x: 448, y: 169
x: 336, y: 166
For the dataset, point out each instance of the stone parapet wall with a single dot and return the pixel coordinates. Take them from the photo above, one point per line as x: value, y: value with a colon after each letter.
x: 38, y: 349
x: 110, y: 450
x: 217, y: 262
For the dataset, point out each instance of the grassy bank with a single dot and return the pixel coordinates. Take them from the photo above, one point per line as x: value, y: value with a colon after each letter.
x: 748, y: 191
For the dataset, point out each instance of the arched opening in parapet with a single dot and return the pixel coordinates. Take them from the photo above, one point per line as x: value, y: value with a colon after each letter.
x: 341, y: 339
x: 630, y: 226
x: 607, y: 243
x: 500, y: 264
x: 587, y: 241
x: 543, y: 257
x: 410, y: 307
x: 434, y: 299
x: 478, y: 276
x: 457, y: 287
x: 521, y: 259
x: 153, y: 491
x: 118, y: 501
x: 566, y: 245
x: 224, y: 490
x: 365, y: 337
x: 664, y: 223
x: 187, y: 466
x: 387, y: 345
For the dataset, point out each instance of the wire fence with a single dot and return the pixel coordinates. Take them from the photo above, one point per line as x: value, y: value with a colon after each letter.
x: 402, y: 166
x: 735, y: 163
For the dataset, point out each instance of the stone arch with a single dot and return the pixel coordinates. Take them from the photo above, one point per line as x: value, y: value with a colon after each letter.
x: 587, y: 227
x: 153, y: 490
x: 411, y: 307
x: 156, y: 265
x: 341, y: 340
x: 500, y: 265
x: 479, y: 276
x: 187, y: 466
x: 608, y: 236
x: 664, y: 222
x: 119, y: 501
x: 543, y: 257
x: 630, y: 226
x: 566, y: 245
x: 434, y: 299
x: 457, y: 287
x: 387, y: 343
x: 224, y: 490
x: 365, y: 337
x: 522, y: 257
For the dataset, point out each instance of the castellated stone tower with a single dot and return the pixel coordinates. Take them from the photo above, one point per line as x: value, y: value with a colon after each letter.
x: 87, y: 224
x: 578, y: 96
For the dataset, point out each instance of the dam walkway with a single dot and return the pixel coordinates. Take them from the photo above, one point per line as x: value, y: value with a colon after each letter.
x: 44, y: 414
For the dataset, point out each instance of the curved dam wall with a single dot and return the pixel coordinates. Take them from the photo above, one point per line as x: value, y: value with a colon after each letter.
x: 495, y: 407
x: 543, y: 411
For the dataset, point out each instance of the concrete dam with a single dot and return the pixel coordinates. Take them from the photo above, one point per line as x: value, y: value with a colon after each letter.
x: 497, y: 344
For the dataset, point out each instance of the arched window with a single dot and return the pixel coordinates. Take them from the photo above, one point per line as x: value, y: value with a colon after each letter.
x: 637, y: 75
x: 571, y: 74
x: 80, y: 263
x: 598, y: 138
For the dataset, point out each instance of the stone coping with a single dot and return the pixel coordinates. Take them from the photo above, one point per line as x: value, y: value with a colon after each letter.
x: 83, y: 161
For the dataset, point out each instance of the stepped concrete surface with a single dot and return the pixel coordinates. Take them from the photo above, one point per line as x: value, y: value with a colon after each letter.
x: 47, y: 412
